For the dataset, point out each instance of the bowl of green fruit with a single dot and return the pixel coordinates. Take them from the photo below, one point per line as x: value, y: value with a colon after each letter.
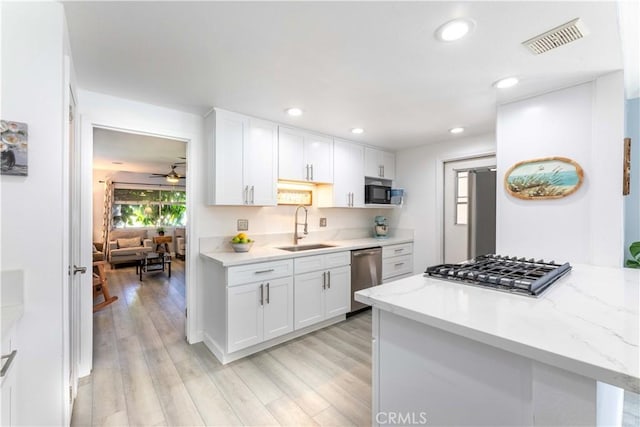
x: 241, y: 243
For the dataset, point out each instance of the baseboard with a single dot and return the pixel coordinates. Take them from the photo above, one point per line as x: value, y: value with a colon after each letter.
x: 225, y: 358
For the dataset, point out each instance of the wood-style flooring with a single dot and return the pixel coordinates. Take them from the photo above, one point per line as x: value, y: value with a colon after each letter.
x: 145, y: 373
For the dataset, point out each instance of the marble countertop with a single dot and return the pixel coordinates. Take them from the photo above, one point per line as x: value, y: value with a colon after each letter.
x: 586, y: 323
x: 229, y: 258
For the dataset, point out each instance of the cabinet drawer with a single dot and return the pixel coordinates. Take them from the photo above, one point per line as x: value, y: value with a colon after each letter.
x: 396, y: 266
x: 321, y: 262
x: 259, y: 271
x: 397, y: 250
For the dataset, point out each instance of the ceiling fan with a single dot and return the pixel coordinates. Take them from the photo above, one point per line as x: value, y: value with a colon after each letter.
x: 173, y: 176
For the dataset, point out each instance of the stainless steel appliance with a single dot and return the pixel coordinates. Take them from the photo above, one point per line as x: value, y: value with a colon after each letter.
x: 511, y: 274
x: 366, y: 271
x: 377, y: 194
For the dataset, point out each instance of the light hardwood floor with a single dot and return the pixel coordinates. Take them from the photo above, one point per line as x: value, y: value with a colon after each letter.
x: 144, y: 372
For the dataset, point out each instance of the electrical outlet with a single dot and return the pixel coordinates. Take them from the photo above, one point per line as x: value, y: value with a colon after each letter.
x: 323, y: 222
x: 243, y: 224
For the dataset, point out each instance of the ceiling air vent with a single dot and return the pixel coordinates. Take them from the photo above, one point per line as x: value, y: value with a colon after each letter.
x: 565, y: 33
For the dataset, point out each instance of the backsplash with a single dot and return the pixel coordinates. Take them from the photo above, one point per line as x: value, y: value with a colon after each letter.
x: 221, y: 243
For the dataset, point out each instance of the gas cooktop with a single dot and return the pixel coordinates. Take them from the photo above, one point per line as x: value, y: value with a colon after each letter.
x: 510, y: 274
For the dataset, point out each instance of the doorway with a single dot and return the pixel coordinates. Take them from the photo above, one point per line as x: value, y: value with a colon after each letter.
x: 469, y: 208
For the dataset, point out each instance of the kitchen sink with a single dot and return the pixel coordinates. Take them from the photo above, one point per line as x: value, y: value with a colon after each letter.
x: 299, y: 248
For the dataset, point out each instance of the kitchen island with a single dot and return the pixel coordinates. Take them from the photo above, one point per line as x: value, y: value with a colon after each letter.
x: 454, y: 354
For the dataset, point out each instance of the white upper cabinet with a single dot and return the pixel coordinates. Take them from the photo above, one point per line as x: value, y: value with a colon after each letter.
x: 348, y: 177
x: 304, y: 156
x: 379, y: 164
x: 244, y: 154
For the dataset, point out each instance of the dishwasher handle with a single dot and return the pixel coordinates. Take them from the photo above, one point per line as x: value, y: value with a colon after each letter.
x: 367, y: 252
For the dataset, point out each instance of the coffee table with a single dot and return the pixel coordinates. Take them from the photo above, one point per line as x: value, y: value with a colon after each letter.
x: 154, y: 261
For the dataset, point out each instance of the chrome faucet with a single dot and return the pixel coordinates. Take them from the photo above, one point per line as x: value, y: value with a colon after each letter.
x: 296, y: 236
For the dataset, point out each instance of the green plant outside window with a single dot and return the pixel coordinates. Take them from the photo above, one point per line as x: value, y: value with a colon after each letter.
x: 135, y: 207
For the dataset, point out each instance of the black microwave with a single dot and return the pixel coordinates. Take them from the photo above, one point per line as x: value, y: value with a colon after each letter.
x: 378, y: 194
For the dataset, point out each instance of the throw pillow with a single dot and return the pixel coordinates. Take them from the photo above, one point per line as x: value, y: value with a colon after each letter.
x: 129, y: 243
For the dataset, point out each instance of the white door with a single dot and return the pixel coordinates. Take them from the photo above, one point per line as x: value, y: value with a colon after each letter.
x: 372, y: 166
x: 244, y: 317
x: 388, y: 161
x: 278, y: 307
x: 230, y: 134
x: 456, y: 205
x: 348, y: 177
x: 76, y: 269
x: 318, y: 152
x: 336, y: 295
x: 309, y: 299
x: 260, y: 163
x: 291, y: 155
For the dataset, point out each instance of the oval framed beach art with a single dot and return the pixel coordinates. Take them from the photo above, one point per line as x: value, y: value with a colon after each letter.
x: 547, y: 178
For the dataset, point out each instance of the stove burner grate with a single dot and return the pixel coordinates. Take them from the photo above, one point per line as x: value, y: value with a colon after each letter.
x: 511, y: 274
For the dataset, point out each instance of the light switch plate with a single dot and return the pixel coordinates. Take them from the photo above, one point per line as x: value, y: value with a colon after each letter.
x: 323, y: 222
x: 243, y: 224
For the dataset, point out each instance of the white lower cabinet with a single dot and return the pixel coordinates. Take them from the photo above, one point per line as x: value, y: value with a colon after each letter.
x: 397, y: 262
x: 258, y: 312
x: 323, y: 293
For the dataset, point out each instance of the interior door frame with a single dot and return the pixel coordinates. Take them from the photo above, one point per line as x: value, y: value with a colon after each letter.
x: 87, y: 124
x: 440, y: 189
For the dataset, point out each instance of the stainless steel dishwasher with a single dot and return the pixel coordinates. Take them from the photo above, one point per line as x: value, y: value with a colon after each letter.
x: 366, y: 271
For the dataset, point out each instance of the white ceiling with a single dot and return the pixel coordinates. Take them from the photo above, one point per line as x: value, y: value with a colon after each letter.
x: 374, y: 65
x: 137, y: 153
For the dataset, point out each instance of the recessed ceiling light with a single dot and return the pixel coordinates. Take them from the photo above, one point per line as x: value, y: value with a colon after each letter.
x: 357, y: 130
x: 294, y: 111
x: 456, y: 130
x: 454, y: 30
x: 506, y: 82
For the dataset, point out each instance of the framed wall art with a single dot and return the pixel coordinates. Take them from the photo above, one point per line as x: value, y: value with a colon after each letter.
x: 13, y: 148
x: 546, y: 178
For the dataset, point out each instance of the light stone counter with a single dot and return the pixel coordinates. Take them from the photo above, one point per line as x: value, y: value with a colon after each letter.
x: 228, y: 258
x: 586, y: 323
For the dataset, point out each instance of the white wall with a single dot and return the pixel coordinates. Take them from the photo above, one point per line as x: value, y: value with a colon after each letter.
x: 584, y: 123
x: 32, y: 220
x: 420, y: 172
x: 632, y: 201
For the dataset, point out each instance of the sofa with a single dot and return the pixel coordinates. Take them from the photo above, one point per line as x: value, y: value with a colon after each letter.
x: 126, y: 246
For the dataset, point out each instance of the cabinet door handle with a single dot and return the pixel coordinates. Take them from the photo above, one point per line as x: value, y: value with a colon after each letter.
x: 246, y: 194
x: 383, y: 171
x: 307, y: 178
x: 398, y: 250
x: 329, y: 279
x: 312, y: 172
x: 252, y: 194
x: 261, y: 294
x: 398, y: 264
x: 324, y: 280
x: 264, y: 271
x: 7, y: 365
x: 267, y: 292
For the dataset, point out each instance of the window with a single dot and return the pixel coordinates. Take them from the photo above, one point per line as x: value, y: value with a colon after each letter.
x: 462, y: 197
x: 148, y: 207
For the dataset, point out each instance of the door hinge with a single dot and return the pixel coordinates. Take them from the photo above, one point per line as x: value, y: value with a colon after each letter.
x: 185, y: 312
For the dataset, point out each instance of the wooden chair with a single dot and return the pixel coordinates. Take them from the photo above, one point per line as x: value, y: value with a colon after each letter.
x: 100, y: 286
